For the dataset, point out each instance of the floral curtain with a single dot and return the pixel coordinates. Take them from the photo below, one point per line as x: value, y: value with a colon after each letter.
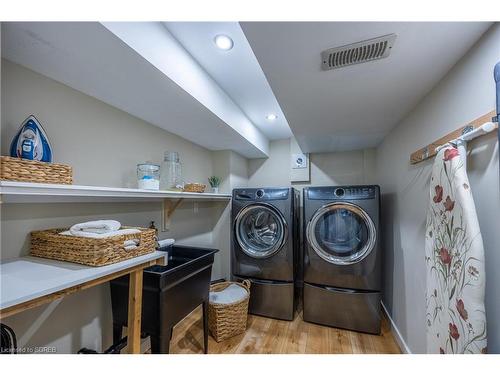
x: 454, y: 256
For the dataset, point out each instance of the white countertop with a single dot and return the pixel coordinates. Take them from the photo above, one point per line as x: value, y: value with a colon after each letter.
x: 27, y: 278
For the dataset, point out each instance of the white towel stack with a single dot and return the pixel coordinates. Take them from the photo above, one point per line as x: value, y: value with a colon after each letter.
x: 97, y: 227
x: 100, y: 229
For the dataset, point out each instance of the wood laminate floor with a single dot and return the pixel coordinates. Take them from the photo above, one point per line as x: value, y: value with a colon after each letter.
x: 270, y: 336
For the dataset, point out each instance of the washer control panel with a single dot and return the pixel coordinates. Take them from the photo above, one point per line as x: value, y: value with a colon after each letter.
x: 261, y: 194
x: 342, y: 192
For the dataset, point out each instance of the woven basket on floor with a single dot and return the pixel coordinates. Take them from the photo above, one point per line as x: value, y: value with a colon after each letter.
x: 23, y: 170
x: 228, y: 320
x: 90, y: 251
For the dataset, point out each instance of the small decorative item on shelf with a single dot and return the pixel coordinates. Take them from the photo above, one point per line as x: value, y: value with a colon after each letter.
x: 194, y: 187
x: 171, y: 174
x: 148, y: 176
x: 214, y: 182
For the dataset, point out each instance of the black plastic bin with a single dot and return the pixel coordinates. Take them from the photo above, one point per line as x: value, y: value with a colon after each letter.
x: 169, y: 294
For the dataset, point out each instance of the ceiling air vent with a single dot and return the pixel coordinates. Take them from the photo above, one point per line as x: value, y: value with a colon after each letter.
x: 357, y: 53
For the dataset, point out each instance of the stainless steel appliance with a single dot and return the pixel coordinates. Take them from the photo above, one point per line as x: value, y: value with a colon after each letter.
x: 342, y: 257
x: 264, y: 248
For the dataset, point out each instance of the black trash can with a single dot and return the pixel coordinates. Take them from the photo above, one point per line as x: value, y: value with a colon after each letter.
x: 170, y: 293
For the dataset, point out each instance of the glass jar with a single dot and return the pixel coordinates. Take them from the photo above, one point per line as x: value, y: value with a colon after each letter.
x: 172, y: 172
x: 148, y: 176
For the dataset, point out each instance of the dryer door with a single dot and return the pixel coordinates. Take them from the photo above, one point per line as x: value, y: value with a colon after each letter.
x: 260, y: 230
x: 341, y: 233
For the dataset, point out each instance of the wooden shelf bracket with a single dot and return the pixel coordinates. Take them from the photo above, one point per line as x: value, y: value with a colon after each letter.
x: 169, y: 207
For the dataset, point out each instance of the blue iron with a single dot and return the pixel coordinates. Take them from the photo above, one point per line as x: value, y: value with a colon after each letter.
x: 31, y: 142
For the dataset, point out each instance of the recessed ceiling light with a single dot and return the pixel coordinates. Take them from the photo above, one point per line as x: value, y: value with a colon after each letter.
x: 271, y: 117
x: 223, y: 42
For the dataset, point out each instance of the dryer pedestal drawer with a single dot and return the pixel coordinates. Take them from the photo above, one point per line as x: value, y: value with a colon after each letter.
x: 272, y: 299
x: 348, y: 309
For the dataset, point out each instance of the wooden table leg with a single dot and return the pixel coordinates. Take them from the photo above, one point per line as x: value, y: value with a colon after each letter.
x: 134, y: 312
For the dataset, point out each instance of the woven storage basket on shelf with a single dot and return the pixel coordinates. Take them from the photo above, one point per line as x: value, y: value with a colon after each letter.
x: 23, y: 170
x: 228, y: 320
x: 194, y: 188
x: 90, y: 251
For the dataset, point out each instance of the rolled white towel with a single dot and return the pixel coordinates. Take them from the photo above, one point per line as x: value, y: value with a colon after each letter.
x: 97, y: 226
x: 131, y: 244
x: 100, y: 235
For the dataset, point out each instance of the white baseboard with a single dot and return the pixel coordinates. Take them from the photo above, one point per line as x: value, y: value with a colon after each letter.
x: 397, y: 335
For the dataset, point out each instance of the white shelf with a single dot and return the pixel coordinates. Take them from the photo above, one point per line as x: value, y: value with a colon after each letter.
x: 27, y: 192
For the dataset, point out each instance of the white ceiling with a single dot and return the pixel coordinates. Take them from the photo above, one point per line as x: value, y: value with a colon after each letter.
x: 237, y: 71
x: 171, y: 75
x: 157, y: 45
x: 91, y: 59
x: 356, y: 106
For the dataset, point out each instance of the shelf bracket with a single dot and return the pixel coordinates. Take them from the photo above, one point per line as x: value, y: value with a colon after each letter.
x: 169, y: 207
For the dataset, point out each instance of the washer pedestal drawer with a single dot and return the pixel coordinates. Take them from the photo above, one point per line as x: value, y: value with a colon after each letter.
x: 272, y: 299
x: 342, y: 308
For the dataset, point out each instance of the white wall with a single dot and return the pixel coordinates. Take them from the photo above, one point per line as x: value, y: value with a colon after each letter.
x: 335, y: 168
x: 464, y: 94
x: 233, y: 169
x: 104, y: 145
x: 101, y: 143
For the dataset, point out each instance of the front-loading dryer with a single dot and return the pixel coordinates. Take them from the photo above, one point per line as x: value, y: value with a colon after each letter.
x: 342, y: 257
x: 264, y: 248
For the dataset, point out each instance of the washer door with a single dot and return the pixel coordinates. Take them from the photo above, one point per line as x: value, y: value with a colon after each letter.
x: 341, y: 233
x: 260, y: 230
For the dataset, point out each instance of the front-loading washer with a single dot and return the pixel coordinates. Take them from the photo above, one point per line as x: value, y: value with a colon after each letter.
x: 264, y: 248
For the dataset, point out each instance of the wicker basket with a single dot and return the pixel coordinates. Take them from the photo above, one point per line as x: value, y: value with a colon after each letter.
x: 228, y: 320
x: 194, y: 187
x: 23, y: 170
x: 90, y: 251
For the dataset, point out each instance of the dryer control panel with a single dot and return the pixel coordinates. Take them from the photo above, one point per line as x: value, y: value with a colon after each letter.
x: 342, y: 192
x: 265, y: 194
